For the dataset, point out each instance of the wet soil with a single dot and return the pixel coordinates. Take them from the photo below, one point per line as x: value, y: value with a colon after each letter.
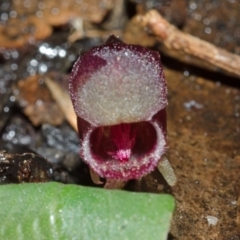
x: 203, y: 137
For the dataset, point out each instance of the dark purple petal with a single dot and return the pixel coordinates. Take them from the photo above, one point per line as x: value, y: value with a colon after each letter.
x: 118, y: 83
x: 119, y: 95
x: 145, y: 144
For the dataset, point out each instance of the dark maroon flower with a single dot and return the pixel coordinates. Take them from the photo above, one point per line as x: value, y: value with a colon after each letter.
x: 119, y: 95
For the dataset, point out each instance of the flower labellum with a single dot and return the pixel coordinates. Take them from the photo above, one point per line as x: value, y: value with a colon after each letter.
x: 119, y: 94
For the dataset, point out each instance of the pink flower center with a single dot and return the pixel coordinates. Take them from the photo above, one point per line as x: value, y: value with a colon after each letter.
x: 122, y: 142
x: 124, y: 138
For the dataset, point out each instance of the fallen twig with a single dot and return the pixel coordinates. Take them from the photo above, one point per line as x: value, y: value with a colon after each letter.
x: 188, y: 48
x: 63, y: 100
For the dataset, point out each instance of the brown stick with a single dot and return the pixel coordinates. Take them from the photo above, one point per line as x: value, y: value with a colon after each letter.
x: 63, y: 100
x: 188, y: 48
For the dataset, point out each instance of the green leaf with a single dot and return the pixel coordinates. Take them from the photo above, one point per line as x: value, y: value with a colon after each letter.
x: 56, y: 211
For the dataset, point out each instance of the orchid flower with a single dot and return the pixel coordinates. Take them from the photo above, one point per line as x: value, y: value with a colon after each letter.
x: 119, y: 94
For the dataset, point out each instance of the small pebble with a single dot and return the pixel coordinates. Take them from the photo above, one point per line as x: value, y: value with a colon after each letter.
x: 211, y: 220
